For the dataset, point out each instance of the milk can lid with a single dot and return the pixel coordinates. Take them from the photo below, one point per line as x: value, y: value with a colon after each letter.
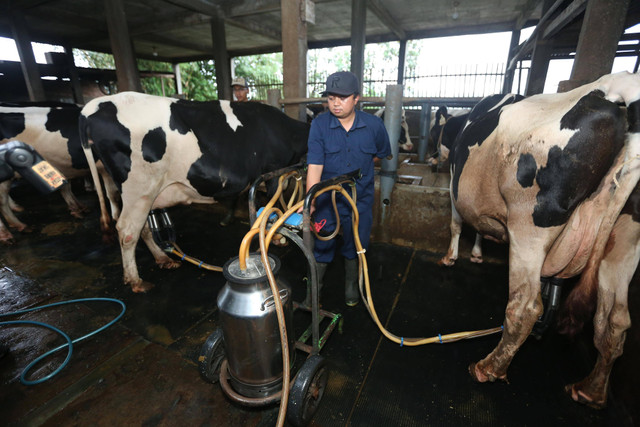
x: 254, y: 272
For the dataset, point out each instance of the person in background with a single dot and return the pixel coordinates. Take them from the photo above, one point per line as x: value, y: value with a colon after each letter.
x: 240, y: 89
x: 340, y: 141
x: 240, y: 94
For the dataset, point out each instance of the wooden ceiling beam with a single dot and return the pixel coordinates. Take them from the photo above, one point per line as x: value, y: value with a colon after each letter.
x: 389, y: 21
x: 255, y: 28
x: 565, y: 17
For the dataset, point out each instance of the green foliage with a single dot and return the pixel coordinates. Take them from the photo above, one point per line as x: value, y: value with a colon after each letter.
x: 263, y: 71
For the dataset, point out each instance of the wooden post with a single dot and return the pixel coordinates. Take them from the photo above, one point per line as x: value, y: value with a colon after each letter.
x: 27, y: 59
x: 507, y: 86
x: 540, y: 58
x: 602, y: 27
x: 76, y: 84
x: 221, y: 57
x: 121, y: 46
x: 358, y: 36
x: 401, y: 58
x: 294, y: 56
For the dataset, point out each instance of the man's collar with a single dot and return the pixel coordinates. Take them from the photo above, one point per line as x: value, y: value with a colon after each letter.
x: 357, y: 121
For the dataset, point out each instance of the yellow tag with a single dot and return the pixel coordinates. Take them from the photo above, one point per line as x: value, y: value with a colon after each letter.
x: 49, y: 174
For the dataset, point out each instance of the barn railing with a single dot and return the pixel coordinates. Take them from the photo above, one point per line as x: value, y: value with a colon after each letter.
x: 468, y: 81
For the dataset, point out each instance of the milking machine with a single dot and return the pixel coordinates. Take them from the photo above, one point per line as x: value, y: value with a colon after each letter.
x: 16, y: 156
x: 249, y: 350
x: 249, y: 353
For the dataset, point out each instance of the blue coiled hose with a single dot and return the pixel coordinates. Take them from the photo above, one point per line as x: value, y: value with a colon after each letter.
x: 69, y: 343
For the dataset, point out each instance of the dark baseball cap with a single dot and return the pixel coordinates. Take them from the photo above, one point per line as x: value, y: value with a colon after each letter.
x: 342, y: 83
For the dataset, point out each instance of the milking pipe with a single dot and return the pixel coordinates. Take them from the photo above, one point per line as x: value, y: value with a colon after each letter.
x: 389, y: 169
x: 425, y: 114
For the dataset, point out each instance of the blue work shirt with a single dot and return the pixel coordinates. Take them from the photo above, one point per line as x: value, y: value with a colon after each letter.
x: 341, y: 152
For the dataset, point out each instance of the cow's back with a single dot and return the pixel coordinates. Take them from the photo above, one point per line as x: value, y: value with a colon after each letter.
x: 216, y: 147
x: 51, y: 130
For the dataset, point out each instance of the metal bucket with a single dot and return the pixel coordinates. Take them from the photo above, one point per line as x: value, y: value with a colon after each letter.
x: 250, y: 326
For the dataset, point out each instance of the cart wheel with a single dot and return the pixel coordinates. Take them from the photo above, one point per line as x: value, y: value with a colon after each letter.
x: 306, y: 391
x: 211, y: 357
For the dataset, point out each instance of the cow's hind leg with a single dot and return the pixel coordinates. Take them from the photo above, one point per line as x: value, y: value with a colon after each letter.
x: 130, y: 226
x: 456, y: 228
x: 76, y: 208
x: 5, y: 208
x: 162, y: 259
x: 476, y: 251
x: 523, y: 309
x: 612, y: 318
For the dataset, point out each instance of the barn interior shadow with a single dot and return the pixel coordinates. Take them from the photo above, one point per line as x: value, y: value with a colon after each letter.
x: 143, y: 370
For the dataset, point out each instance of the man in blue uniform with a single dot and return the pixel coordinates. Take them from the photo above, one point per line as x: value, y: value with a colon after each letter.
x: 341, y: 141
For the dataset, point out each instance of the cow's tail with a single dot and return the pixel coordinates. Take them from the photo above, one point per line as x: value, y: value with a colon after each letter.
x: 85, y: 140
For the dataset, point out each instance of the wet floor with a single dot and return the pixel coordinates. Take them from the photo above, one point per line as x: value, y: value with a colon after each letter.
x: 143, y: 370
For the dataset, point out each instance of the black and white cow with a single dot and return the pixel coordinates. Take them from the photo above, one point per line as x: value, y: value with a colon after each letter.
x: 404, y: 140
x: 52, y: 129
x: 162, y: 152
x: 552, y: 175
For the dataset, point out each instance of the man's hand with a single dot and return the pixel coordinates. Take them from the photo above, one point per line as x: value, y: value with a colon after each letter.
x: 314, y: 173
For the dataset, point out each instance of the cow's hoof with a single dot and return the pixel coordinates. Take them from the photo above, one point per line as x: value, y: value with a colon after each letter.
x: 24, y: 229
x: 446, y: 262
x: 580, y: 396
x: 482, y: 377
x: 169, y: 264
x: 476, y: 259
x: 141, y: 287
x: 7, y: 240
x: 79, y: 213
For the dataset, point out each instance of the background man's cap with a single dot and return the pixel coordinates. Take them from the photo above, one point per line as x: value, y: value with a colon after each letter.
x: 342, y: 83
x: 239, y: 81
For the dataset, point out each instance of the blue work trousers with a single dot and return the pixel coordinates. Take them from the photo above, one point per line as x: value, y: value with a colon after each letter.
x: 325, y: 250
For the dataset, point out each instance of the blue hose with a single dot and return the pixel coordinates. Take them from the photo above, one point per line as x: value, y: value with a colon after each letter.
x: 69, y: 343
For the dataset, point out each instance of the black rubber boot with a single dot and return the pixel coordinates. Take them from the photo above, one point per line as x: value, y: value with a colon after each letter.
x: 322, y: 268
x: 351, y: 295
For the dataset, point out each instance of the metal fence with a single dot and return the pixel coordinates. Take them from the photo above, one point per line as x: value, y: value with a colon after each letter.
x: 464, y: 81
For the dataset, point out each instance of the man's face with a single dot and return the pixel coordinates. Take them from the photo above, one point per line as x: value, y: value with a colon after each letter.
x: 240, y: 93
x: 342, y: 106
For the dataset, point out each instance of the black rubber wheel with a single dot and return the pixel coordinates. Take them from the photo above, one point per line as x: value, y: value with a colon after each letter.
x: 211, y: 357
x: 306, y: 391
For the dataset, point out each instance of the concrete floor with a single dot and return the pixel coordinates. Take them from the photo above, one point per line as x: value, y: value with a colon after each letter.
x: 143, y: 370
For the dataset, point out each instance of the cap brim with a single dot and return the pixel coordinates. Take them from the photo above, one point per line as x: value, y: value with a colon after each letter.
x: 339, y: 93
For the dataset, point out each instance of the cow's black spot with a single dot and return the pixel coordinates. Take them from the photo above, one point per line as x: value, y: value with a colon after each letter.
x: 11, y: 124
x: 154, y: 145
x: 65, y: 120
x: 482, y: 121
x: 112, y: 141
x: 633, y: 116
x: 526, y: 170
x: 181, y: 110
x: 632, y: 207
x: 575, y: 172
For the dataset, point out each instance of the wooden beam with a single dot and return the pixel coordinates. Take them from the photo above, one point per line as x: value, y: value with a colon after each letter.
x: 27, y: 59
x: 206, y: 7
x: 565, y: 17
x: 126, y: 67
x: 389, y: 21
x: 221, y: 58
x: 173, y: 22
x: 294, y: 56
x: 172, y: 41
x: 253, y: 27
x: 527, y: 10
